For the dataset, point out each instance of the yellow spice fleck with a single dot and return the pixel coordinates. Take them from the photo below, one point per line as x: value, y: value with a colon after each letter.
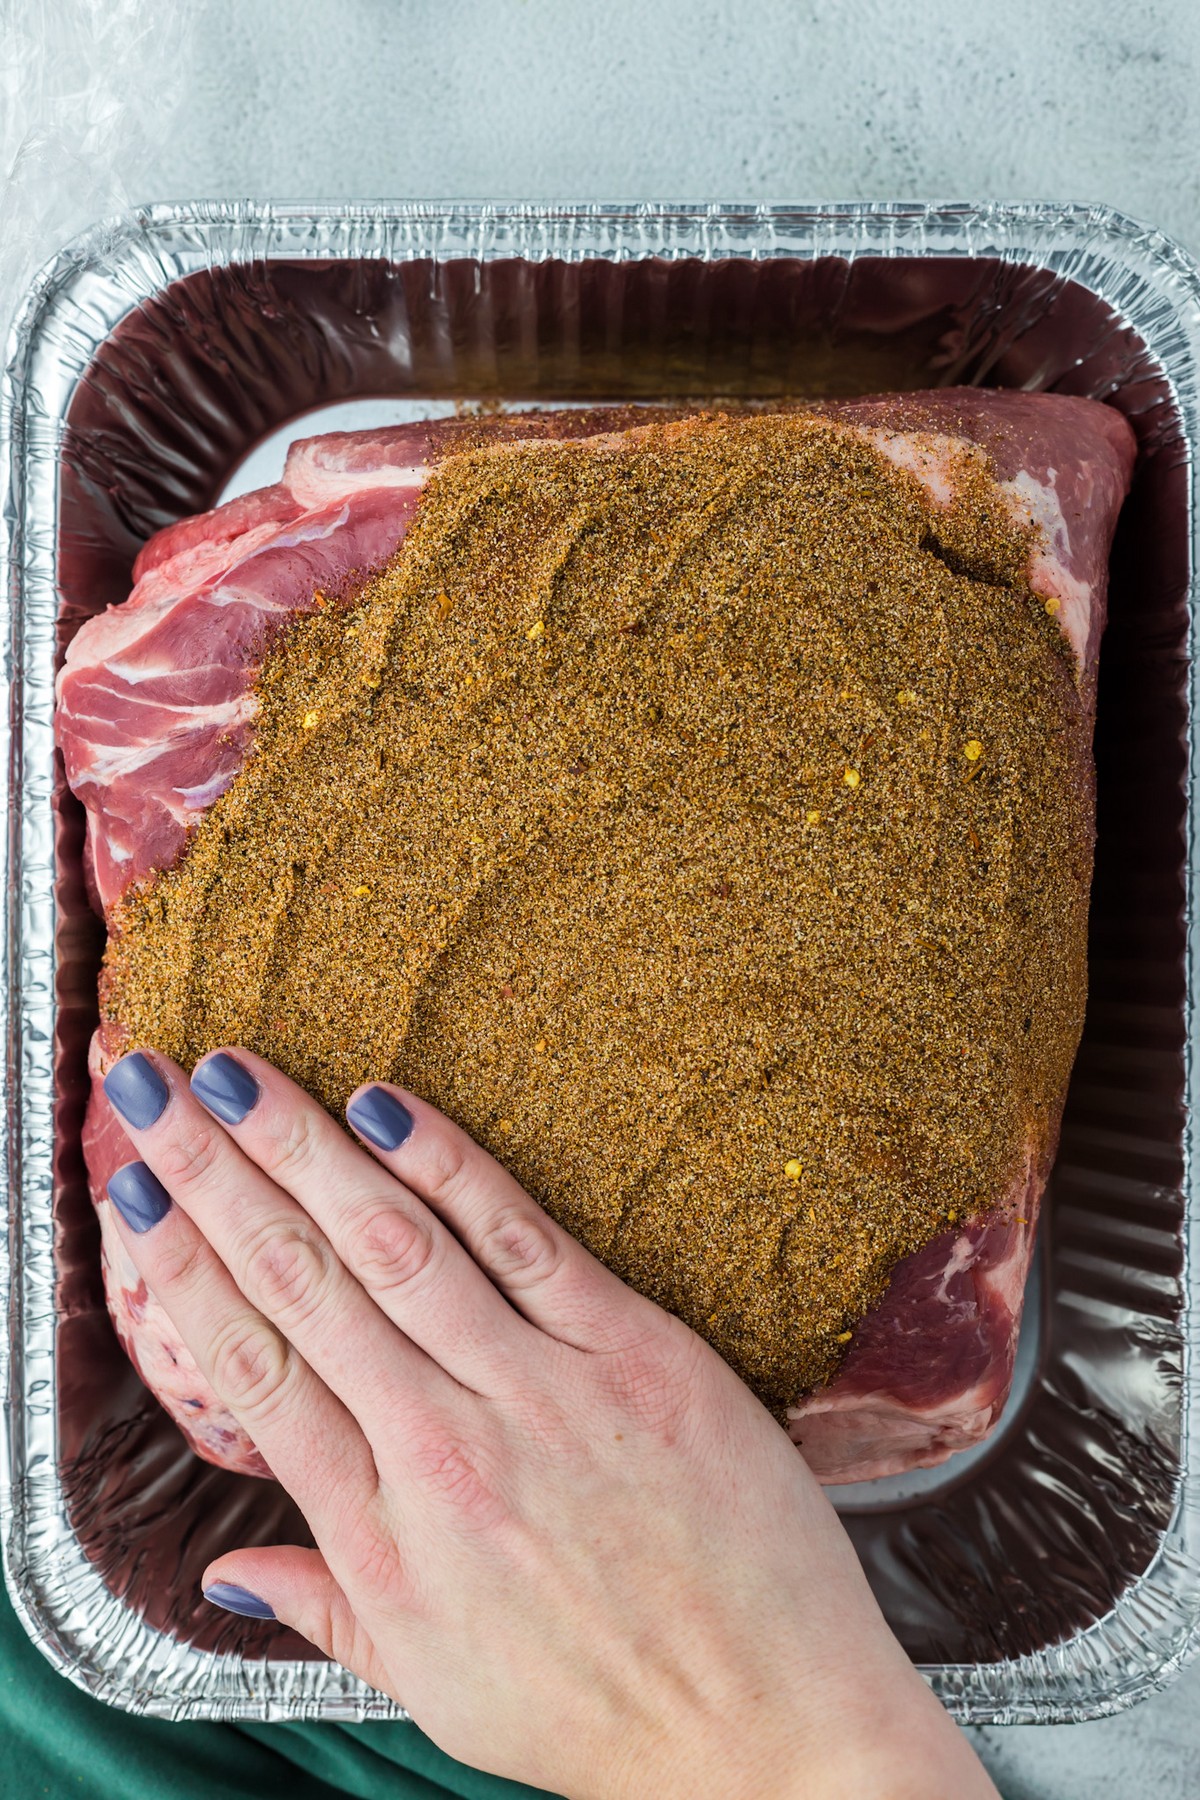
x: 793, y: 1168
x: 311, y: 719
x: 361, y: 891
x: 505, y: 1125
x: 540, y: 1045
x: 851, y: 778
x: 536, y: 630
x: 907, y: 697
x: 1053, y: 605
x: 843, y: 1337
x: 972, y: 749
x: 812, y: 816
x: 442, y: 606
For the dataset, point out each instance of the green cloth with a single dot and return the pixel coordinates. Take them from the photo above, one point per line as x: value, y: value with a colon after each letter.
x: 57, y: 1741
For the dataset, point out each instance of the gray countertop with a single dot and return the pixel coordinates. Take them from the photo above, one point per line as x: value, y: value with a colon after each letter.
x: 762, y: 100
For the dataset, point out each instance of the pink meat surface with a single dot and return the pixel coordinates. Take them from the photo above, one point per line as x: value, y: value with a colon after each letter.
x: 929, y: 1370
x: 156, y: 716
x: 149, y: 1337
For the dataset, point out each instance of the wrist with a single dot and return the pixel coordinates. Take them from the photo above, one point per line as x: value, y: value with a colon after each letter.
x: 894, y: 1743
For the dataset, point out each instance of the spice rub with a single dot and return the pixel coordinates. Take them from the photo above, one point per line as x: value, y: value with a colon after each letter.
x: 701, y: 815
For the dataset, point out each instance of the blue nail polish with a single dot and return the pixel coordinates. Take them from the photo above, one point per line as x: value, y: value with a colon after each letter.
x: 379, y: 1117
x: 227, y: 1089
x: 139, y: 1196
x: 137, y: 1090
x: 238, y: 1600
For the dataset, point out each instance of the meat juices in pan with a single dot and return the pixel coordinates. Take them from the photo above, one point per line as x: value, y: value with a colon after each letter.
x: 162, y: 697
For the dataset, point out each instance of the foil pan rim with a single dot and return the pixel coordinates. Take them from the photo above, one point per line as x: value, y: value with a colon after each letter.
x: 94, y: 281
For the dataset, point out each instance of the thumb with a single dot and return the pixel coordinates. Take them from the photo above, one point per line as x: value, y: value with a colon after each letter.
x: 284, y: 1582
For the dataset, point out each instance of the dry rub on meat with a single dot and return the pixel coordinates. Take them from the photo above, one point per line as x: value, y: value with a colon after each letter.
x: 697, y: 807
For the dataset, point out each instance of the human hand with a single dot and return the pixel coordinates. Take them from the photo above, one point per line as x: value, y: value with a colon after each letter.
x: 550, y: 1520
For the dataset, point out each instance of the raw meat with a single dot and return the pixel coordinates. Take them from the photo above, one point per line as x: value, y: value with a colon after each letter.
x: 156, y: 718
x: 155, y: 709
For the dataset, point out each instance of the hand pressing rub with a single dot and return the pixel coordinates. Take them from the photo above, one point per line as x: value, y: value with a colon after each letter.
x: 550, y: 1519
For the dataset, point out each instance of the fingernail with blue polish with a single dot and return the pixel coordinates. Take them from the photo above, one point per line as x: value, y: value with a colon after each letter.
x: 137, y: 1090
x: 238, y: 1600
x: 225, y: 1088
x: 379, y: 1117
x: 139, y: 1196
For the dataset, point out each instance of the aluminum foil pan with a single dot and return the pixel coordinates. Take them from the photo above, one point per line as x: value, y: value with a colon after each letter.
x: 1054, y: 1574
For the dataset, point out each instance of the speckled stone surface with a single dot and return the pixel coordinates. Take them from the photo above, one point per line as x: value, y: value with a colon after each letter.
x: 762, y: 100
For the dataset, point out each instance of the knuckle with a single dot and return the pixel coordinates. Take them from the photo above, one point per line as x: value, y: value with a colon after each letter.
x: 444, y: 1469
x: 551, y: 1421
x: 287, y: 1271
x: 250, y: 1364
x: 338, y: 1632
x: 181, y: 1263
x: 447, y: 1167
x: 392, y: 1247
x: 374, y: 1562
x: 294, y: 1148
x: 188, y: 1157
x: 645, y: 1384
x: 521, y: 1248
